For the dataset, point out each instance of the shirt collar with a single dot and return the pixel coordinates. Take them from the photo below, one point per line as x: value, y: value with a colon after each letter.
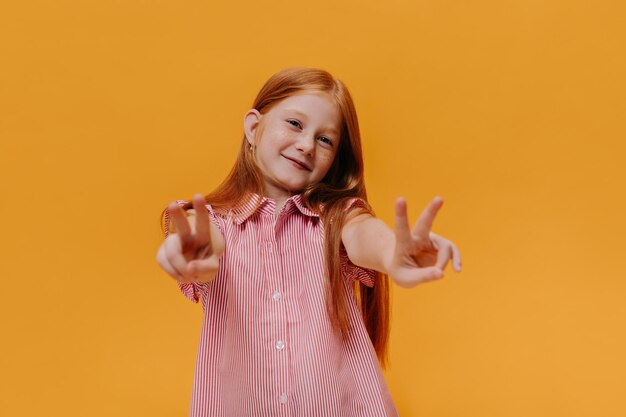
x: 247, y: 209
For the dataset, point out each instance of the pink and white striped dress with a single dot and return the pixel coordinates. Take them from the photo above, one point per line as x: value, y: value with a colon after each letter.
x: 267, y: 348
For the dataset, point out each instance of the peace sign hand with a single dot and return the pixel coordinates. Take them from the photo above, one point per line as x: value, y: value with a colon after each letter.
x: 421, y: 255
x: 191, y: 254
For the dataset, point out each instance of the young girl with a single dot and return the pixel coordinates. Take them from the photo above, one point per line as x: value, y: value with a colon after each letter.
x: 292, y: 267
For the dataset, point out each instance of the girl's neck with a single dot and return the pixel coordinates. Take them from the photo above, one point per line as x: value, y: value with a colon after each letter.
x: 279, y: 206
x: 279, y: 197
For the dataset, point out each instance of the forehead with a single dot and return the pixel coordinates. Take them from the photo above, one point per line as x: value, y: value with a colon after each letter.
x: 316, y: 107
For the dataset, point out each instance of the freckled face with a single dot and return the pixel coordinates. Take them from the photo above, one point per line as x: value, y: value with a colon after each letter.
x: 298, y: 143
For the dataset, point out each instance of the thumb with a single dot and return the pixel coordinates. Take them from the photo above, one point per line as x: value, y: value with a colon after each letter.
x: 430, y: 273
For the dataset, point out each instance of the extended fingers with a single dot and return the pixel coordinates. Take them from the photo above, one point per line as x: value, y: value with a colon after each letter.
x: 403, y: 231
x: 203, y: 224
x: 424, y: 223
x: 179, y: 218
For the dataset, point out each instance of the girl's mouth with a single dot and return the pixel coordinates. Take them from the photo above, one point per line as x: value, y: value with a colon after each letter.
x: 297, y: 164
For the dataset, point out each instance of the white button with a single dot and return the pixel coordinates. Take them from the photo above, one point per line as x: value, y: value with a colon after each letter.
x: 283, y: 398
x: 280, y: 344
x: 276, y: 296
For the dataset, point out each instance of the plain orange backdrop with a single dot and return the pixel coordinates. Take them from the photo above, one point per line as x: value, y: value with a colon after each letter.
x: 512, y: 111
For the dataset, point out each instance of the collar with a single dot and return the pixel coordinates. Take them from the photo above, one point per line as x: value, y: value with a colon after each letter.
x: 268, y: 206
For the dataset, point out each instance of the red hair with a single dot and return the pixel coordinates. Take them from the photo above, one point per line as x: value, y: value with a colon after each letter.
x: 343, y: 182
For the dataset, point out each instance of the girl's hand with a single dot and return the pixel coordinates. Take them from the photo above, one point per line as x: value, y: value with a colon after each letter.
x: 421, y: 255
x: 189, y: 254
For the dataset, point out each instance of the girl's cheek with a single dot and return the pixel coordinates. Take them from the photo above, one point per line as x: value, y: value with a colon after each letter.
x: 329, y: 156
x: 327, y: 162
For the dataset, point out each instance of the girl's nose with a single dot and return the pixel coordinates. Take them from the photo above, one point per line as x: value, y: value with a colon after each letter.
x: 306, y: 144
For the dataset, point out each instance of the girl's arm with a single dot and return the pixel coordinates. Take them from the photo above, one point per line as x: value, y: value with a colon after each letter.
x: 409, y: 257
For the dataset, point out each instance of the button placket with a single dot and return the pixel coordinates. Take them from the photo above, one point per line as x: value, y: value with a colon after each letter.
x: 279, y: 311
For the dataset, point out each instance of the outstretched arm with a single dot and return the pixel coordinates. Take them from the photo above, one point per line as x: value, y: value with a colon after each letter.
x: 409, y: 257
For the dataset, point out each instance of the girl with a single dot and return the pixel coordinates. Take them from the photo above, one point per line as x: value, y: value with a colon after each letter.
x: 292, y: 267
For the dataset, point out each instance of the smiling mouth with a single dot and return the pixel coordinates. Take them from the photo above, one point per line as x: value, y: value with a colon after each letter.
x: 300, y: 164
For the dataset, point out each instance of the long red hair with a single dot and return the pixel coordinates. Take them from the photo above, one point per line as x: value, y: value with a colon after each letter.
x: 343, y: 182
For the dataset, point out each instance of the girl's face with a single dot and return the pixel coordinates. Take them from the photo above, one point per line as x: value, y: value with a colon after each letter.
x: 298, y: 143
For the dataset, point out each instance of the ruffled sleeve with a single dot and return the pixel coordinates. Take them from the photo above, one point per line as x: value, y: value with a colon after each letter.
x: 194, y: 291
x: 351, y: 271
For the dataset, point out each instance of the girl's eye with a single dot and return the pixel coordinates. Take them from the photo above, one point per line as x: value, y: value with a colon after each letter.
x: 326, y: 140
x: 322, y: 138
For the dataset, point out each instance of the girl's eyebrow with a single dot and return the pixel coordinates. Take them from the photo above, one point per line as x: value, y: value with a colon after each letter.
x: 299, y: 113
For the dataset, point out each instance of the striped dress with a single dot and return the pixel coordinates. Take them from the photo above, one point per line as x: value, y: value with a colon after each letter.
x: 267, y: 348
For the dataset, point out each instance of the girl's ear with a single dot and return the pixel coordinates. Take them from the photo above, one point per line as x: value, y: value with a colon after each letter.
x: 250, y: 123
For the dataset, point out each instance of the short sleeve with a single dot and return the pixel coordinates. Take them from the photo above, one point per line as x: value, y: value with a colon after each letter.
x: 351, y: 271
x: 192, y: 290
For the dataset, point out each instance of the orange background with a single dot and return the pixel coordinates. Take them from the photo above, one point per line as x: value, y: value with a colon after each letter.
x: 512, y: 111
